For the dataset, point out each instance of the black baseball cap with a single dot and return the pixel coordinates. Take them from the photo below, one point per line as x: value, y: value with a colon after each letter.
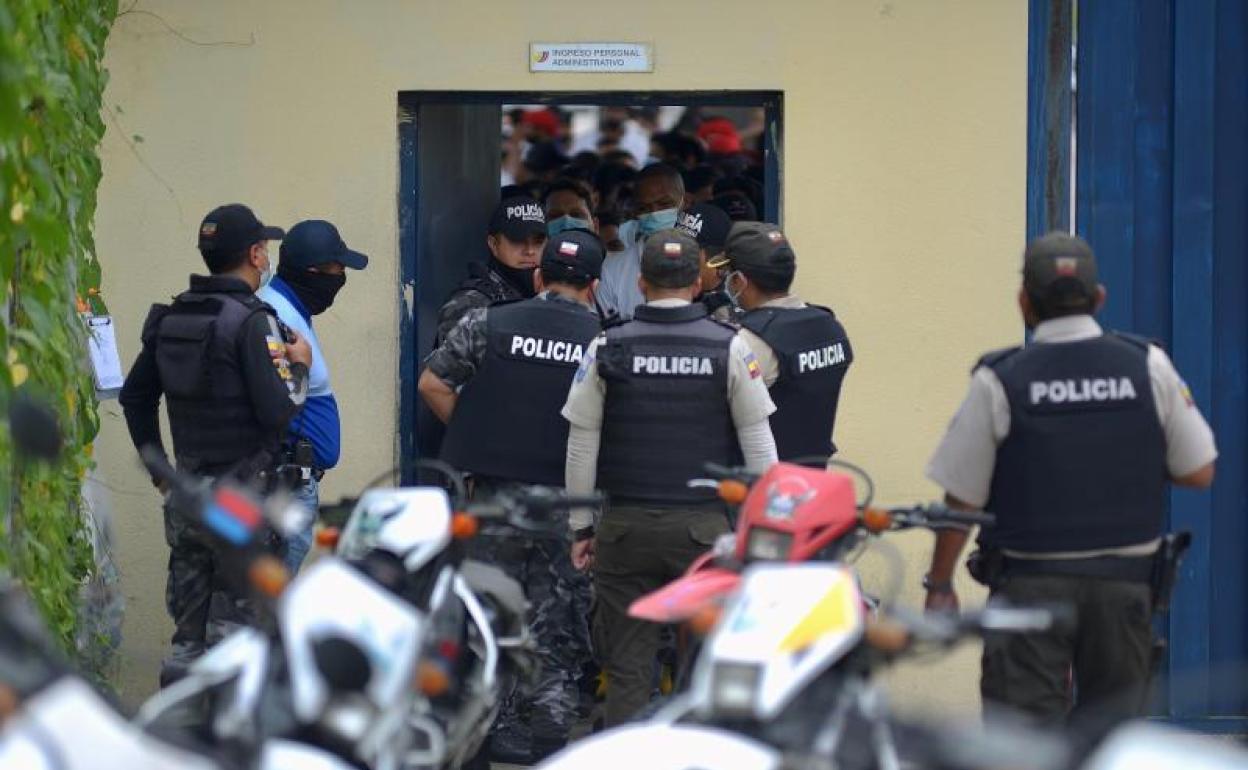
x: 543, y: 157
x: 670, y: 259
x: 736, y: 206
x: 708, y: 224
x: 573, y: 254
x: 518, y: 217
x: 315, y: 242
x: 1060, y: 269
x: 231, y: 228
x: 758, y: 246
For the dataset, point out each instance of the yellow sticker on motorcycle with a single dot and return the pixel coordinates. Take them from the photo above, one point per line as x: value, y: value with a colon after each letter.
x: 835, y: 613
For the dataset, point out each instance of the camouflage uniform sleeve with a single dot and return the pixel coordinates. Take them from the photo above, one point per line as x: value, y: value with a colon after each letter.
x: 454, y: 309
x: 461, y: 353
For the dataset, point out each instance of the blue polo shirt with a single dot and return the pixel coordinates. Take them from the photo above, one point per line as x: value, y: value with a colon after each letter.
x: 318, y: 421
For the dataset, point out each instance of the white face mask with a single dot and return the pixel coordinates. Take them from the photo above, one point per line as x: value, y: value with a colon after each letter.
x: 266, y: 274
x: 733, y: 296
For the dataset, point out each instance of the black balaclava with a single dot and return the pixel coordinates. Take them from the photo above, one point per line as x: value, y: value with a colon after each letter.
x: 315, y: 290
x: 520, y: 278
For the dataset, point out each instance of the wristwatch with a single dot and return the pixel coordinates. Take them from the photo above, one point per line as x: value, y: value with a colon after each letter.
x: 943, y: 587
x: 584, y: 533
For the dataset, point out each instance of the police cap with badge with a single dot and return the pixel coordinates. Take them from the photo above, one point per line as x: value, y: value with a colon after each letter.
x: 1059, y: 272
x: 231, y: 228
x: 709, y: 225
x: 670, y: 260
x: 758, y: 247
x: 518, y: 218
x: 574, y: 256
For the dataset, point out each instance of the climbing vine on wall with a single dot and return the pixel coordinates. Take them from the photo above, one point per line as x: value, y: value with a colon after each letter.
x: 51, y: 86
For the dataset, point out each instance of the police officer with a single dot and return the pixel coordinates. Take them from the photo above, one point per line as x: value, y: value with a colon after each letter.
x: 231, y: 384
x: 802, y: 349
x: 516, y: 235
x: 1070, y: 441
x: 654, y: 399
x: 310, y: 273
x: 499, y: 381
x: 709, y: 225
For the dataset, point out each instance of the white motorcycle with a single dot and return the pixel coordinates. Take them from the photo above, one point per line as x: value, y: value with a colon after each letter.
x: 393, y: 653
x: 478, y: 648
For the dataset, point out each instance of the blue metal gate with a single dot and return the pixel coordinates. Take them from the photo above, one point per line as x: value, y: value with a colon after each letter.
x: 1160, y: 99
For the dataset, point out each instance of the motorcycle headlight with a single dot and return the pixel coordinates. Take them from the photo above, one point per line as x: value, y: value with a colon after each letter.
x: 768, y: 545
x: 733, y: 686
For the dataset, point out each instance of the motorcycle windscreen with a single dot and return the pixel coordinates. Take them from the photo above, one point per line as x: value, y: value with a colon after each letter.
x: 684, y: 597
x: 413, y: 522
x: 787, y: 624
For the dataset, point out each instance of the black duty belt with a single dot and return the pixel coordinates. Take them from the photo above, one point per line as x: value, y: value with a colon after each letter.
x: 1137, y: 569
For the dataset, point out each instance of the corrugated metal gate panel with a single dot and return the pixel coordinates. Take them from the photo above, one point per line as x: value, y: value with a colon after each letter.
x: 1162, y: 194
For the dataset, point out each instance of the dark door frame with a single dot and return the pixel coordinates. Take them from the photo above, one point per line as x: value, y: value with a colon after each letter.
x: 409, y: 199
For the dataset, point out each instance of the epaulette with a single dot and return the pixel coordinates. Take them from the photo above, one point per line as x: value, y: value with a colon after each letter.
x: 992, y: 358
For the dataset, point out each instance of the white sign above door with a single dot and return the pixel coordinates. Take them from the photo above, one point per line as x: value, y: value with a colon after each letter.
x: 591, y: 57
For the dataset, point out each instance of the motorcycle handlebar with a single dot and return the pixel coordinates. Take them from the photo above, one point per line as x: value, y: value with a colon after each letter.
x: 931, y: 516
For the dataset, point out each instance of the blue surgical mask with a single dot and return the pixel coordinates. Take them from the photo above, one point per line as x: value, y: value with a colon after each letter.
x: 649, y: 224
x: 568, y: 222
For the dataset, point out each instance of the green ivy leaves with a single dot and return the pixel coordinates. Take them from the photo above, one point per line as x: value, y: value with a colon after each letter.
x: 51, y: 86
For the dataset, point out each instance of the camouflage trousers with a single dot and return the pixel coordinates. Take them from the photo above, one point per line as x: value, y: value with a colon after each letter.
x: 199, y: 596
x: 559, y: 604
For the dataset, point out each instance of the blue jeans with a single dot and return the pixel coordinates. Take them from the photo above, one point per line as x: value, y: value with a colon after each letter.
x: 307, y: 494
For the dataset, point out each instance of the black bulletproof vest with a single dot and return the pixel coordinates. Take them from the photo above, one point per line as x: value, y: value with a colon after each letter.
x: 814, y: 354
x: 507, y: 421
x: 1084, y: 464
x: 210, y: 413
x: 666, y: 410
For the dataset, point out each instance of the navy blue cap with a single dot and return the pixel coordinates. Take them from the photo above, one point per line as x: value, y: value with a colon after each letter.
x: 315, y: 242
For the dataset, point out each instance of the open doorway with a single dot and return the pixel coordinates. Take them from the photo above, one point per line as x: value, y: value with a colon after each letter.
x: 457, y: 150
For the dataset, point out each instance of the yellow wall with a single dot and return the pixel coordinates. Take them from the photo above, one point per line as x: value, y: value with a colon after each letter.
x: 904, y: 156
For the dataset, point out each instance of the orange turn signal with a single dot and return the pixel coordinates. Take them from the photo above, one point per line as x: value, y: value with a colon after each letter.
x: 8, y: 702
x: 877, y: 519
x: 327, y: 537
x: 732, y: 491
x: 268, y: 576
x: 464, y: 526
x: 704, y: 620
x: 432, y: 679
x: 887, y: 636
